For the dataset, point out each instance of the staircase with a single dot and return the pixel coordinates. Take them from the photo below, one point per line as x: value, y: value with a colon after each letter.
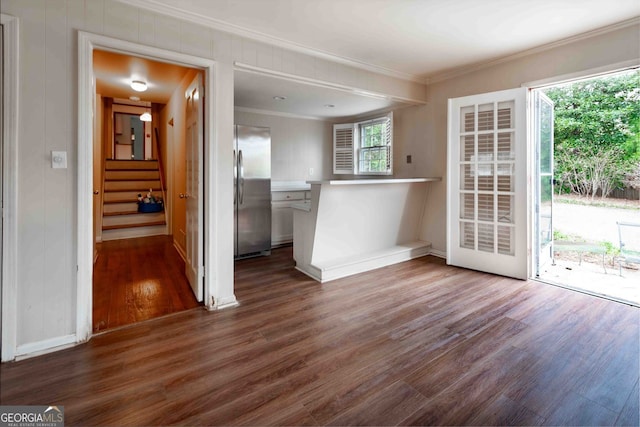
x: 123, y: 181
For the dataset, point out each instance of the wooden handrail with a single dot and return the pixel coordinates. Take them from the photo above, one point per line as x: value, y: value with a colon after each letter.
x: 160, y: 166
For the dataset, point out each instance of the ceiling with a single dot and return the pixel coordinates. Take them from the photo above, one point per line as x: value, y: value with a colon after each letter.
x: 114, y: 73
x: 415, y: 39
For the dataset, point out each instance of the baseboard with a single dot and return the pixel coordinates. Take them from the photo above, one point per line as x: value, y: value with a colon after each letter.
x: 310, y: 271
x: 38, y: 348
x: 180, y: 251
x: 438, y: 253
x: 221, y: 304
x: 339, y: 268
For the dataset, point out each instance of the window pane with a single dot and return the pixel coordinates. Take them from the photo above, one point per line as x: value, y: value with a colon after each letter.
x: 467, y: 235
x: 467, y: 181
x: 467, y: 206
x: 485, y: 237
x: 485, y: 207
x: 466, y: 148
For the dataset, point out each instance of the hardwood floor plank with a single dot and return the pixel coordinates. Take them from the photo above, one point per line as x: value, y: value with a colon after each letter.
x: 476, y: 351
x: 503, y: 411
x: 414, y: 343
x: 136, y: 280
x: 630, y: 414
x: 389, y: 406
x: 574, y: 409
x: 460, y: 402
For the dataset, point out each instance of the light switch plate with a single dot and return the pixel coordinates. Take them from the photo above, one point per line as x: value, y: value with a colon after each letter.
x: 59, y: 159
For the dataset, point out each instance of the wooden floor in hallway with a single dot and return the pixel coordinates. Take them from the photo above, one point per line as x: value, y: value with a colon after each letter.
x: 416, y: 343
x: 138, y: 279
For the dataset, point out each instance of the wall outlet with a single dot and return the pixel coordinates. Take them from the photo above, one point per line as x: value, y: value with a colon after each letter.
x: 310, y: 171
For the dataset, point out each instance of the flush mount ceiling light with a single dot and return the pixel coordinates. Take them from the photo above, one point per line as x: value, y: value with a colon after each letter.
x: 138, y: 85
x: 145, y: 117
x: 279, y: 98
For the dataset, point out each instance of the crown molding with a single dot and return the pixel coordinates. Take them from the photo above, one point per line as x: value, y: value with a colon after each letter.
x: 281, y: 114
x: 219, y: 25
x: 239, y: 66
x: 465, y: 69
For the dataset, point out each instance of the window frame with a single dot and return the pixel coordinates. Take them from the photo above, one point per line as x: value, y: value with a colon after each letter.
x: 358, y: 149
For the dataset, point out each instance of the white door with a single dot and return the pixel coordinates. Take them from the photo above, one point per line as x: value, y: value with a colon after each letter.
x: 194, y: 168
x: 542, y: 126
x: 487, y: 183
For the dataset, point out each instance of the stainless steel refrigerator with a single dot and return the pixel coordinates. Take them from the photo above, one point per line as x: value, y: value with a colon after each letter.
x: 252, y: 185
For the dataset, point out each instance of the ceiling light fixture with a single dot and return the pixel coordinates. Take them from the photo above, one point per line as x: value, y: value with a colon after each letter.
x: 134, y: 98
x: 145, y: 117
x: 138, y: 85
x: 279, y: 98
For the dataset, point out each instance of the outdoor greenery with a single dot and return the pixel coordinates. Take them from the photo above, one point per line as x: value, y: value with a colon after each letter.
x: 597, y: 134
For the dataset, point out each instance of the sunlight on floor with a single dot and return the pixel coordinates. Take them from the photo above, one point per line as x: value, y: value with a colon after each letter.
x: 592, y: 278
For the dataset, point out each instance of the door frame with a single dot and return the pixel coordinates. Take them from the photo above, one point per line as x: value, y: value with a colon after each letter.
x: 87, y: 42
x: 9, y: 146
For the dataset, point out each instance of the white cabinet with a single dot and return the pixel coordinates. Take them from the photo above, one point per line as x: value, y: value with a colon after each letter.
x: 282, y: 215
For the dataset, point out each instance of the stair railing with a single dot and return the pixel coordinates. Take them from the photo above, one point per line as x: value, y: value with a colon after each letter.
x: 160, y: 166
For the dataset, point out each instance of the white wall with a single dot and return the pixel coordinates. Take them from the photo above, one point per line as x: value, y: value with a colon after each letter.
x: 297, y: 145
x: 430, y: 122
x: 45, y: 310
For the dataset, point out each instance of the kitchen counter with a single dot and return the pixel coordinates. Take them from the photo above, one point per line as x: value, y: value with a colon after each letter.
x: 352, y: 226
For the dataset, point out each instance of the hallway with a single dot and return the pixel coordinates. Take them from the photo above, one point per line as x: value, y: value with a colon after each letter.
x: 138, y: 279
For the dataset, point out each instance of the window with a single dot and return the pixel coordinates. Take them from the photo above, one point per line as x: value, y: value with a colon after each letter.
x: 364, y: 148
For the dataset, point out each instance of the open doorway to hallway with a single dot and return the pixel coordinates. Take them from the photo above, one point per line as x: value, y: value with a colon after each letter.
x: 589, y: 208
x: 143, y: 171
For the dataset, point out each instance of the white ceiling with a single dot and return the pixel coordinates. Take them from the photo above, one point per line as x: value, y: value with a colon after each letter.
x: 418, y: 38
x: 415, y: 39
x: 258, y: 92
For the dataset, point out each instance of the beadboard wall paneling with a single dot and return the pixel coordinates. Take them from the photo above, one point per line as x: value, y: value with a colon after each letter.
x: 296, y: 145
x: 46, y: 306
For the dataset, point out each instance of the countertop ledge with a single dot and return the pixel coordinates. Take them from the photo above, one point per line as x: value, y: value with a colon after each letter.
x: 374, y: 181
x: 289, y: 186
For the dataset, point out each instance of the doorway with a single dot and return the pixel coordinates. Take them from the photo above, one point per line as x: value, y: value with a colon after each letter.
x: 587, y: 208
x: 143, y: 160
x: 88, y: 44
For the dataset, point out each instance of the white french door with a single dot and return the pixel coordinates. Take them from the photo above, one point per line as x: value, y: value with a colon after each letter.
x: 487, y: 183
x: 194, y: 168
x: 542, y: 127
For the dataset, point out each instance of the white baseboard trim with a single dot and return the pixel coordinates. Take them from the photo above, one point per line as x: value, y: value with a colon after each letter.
x: 221, y: 304
x: 339, y: 268
x: 438, y: 253
x: 310, y: 271
x: 38, y: 348
x: 180, y: 251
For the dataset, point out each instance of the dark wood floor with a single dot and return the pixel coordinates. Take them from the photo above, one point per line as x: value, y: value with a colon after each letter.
x: 138, y: 279
x: 417, y: 343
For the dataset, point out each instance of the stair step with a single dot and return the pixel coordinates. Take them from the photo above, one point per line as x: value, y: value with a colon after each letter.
x: 145, y: 224
x: 145, y: 185
x: 125, y: 196
x: 116, y: 213
x: 115, y: 206
x: 131, y: 175
x: 131, y: 165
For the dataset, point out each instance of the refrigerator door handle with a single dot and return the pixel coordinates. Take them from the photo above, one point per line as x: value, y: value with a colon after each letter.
x: 240, y: 178
x: 235, y: 177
